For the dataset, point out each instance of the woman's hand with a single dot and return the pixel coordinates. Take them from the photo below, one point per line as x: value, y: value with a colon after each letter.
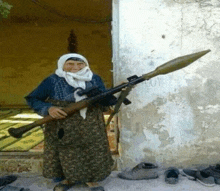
x: 123, y: 82
x: 57, y: 112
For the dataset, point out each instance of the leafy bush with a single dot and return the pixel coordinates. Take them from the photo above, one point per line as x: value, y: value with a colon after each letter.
x: 4, y: 9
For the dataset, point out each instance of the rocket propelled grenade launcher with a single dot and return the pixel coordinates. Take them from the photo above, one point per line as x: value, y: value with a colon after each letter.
x: 166, y: 68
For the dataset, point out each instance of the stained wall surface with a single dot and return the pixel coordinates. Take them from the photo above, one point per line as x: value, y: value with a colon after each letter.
x: 174, y: 118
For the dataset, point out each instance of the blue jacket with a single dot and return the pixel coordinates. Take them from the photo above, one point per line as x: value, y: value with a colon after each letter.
x: 56, y: 88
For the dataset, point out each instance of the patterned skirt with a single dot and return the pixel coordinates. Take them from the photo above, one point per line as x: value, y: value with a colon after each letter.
x: 77, y: 148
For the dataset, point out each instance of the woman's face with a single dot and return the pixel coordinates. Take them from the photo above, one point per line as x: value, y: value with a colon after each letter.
x: 73, y: 66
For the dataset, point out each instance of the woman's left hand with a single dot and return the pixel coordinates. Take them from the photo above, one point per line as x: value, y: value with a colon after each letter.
x: 57, y: 112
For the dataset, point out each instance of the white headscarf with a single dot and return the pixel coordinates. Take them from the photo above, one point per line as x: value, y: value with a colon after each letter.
x: 77, y: 79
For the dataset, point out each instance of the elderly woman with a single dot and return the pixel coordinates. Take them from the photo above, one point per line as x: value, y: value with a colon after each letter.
x: 76, y: 147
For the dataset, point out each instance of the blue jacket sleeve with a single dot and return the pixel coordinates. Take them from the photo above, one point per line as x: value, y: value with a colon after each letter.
x: 36, y: 99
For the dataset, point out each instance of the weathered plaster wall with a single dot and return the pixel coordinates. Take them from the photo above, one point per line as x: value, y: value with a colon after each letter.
x: 173, y: 119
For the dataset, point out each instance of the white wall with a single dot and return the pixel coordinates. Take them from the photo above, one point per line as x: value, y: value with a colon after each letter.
x: 174, y: 118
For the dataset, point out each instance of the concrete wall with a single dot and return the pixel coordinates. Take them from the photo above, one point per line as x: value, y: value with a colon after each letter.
x: 174, y: 119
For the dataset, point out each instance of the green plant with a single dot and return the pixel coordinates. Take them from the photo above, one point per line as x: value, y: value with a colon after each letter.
x: 4, y: 9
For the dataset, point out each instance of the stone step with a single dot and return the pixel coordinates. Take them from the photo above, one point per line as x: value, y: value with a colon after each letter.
x: 17, y: 162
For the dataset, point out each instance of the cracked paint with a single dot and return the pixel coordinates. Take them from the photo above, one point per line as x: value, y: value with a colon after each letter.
x: 173, y: 118
x: 210, y: 109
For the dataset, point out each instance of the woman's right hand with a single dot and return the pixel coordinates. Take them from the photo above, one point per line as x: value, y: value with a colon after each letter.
x: 57, y: 112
